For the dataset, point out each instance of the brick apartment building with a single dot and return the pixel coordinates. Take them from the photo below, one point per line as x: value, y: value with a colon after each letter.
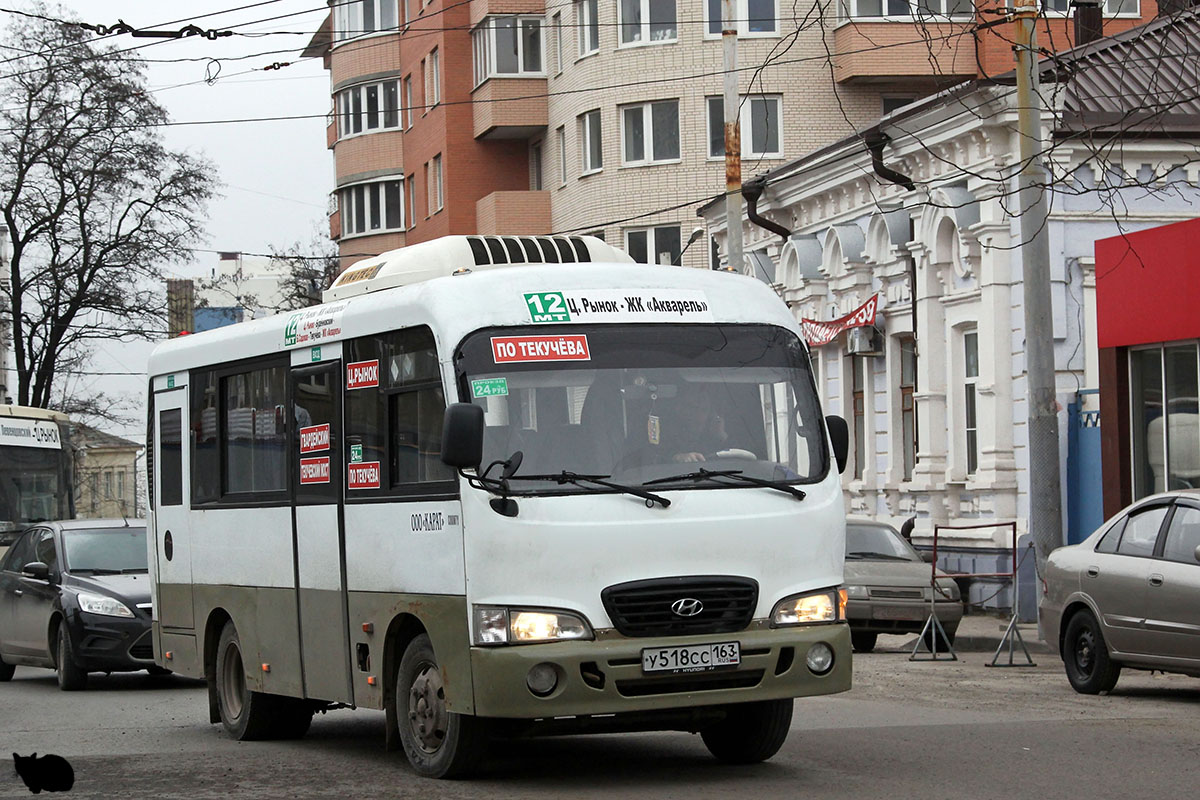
x: 534, y: 116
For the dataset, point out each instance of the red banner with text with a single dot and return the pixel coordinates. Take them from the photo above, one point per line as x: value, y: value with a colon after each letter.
x: 819, y: 333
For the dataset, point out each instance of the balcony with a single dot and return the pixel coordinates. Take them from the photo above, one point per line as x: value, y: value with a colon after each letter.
x: 513, y: 213
x: 886, y: 52
x: 510, y: 108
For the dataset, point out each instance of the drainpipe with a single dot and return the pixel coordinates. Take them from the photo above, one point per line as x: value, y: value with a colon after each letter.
x: 752, y: 190
x: 875, y: 140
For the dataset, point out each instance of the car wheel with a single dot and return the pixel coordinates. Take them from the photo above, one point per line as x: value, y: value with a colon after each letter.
x: 942, y: 641
x: 438, y: 742
x: 71, y: 676
x: 863, y: 641
x: 750, y: 732
x: 1085, y: 655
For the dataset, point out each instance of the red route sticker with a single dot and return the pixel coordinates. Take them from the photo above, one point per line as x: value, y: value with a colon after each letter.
x: 513, y: 349
x: 364, y: 475
x: 314, y: 470
x: 314, y: 438
x: 362, y: 374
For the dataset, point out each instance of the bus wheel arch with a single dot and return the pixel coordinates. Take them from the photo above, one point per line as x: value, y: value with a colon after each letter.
x: 401, y: 631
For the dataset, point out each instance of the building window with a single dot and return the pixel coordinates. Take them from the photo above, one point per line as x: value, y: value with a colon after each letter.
x: 1112, y: 8
x: 424, y: 88
x: 371, y: 107
x: 587, y: 23
x: 407, y: 8
x: 561, y: 138
x: 754, y: 17
x: 1164, y: 384
x: 535, y: 167
x: 907, y: 9
x: 360, y: 17
x: 593, y: 150
x: 891, y: 104
x: 108, y: 485
x: 412, y: 201
x: 659, y: 245
x: 858, y: 397
x: 970, y: 419
x: 557, y: 26
x: 372, y: 207
x: 507, y: 46
x: 647, y: 21
x: 428, y: 189
x: 908, y: 410
x: 759, y: 118
x: 438, y: 197
x: 408, y: 103
x: 433, y: 89
x: 650, y: 132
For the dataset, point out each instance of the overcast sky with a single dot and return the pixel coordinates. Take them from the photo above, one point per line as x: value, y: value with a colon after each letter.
x: 275, y: 176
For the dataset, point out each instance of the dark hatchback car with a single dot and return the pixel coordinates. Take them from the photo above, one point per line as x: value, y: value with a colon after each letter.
x: 75, y: 597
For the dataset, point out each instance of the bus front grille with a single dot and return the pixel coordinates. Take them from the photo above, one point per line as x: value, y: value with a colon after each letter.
x: 710, y: 604
x: 696, y: 682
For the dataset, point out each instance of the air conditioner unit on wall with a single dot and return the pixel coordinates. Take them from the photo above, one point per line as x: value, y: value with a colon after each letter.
x: 864, y: 341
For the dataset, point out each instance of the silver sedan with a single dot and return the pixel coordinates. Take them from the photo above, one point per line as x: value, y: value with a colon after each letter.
x: 1128, y: 595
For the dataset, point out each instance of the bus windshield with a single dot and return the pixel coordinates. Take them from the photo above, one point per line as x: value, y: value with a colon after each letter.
x: 34, y: 485
x: 646, y: 403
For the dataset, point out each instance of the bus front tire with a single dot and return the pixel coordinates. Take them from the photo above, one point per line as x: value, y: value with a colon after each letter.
x: 750, y: 732
x: 249, y: 715
x: 438, y: 742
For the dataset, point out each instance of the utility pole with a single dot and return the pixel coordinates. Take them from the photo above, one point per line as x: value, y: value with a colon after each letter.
x: 5, y: 314
x: 1045, y: 492
x: 733, y: 137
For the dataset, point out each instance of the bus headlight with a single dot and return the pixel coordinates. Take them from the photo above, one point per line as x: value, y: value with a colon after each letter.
x: 498, y: 625
x: 807, y: 609
x: 102, y: 605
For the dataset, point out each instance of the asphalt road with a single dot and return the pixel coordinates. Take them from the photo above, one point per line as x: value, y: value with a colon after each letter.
x: 907, y: 730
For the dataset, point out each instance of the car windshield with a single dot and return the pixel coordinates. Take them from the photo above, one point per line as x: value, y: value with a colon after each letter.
x: 105, y: 550
x: 877, y: 541
x: 645, y: 403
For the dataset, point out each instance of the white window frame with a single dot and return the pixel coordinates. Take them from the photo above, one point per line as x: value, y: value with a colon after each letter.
x: 746, y: 120
x: 348, y: 206
x: 439, y: 194
x: 348, y: 18
x: 411, y: 193
x: 848, y: 11
x: 651, y: 232
x: 346, y: 116
x: 644, y: 39
x: 587, y: 22
x: 590, y: 124
x: 562, y: 155
x: 483, y: 47
x: 557, y: 27
x: 537, y: 178
x: 1111, y: 8
x: 433, y: 77
x: 970, y: 388
x: 743, y: 18
x: 408, y: 101
x: 648, y: 134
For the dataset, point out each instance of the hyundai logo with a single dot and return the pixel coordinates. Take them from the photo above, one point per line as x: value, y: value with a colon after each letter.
x: 687, y: 607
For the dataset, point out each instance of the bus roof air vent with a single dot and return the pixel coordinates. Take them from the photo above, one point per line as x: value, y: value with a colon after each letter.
x: 451, y: 254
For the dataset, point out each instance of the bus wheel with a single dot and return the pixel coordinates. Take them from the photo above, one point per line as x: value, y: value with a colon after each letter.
x: 750, y: 732
x: 245, y: 714
x: 438, y: 743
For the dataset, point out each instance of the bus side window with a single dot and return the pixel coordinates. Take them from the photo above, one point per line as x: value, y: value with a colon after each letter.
x: 206, y: 486
x: 170, y: 457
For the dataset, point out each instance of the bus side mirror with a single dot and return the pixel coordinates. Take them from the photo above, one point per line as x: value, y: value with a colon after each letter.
x: 839, y: 434
x: 462, y: 435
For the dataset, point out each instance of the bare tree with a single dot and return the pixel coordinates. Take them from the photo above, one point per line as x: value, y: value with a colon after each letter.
x: 311, y: 268
x: 93, y: 201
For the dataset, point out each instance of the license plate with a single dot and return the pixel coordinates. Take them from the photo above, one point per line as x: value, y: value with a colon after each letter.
x: 691, y: 658
x: 912, y: 614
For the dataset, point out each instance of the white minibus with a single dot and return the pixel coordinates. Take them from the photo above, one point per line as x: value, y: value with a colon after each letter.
x: 502, y: 486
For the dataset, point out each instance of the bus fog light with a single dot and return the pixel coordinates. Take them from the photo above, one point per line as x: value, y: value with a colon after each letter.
x: 542, y: 679
x: 819, y: 658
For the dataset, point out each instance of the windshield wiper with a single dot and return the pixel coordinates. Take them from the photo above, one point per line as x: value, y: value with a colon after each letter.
x: 733, y: 474
x: 96, y: 570
x: 583, y: 481
x: 873, y: 554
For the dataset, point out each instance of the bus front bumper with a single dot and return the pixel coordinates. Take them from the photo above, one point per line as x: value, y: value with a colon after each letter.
x: 605, y: 676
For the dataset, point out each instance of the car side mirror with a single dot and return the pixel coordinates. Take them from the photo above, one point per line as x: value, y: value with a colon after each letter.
x: 927, y: 556
x: 37, y: 569
x: 462, y: 435
x: 839, y: 434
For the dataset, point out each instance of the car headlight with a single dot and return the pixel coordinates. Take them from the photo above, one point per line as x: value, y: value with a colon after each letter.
x: 103, y: 605
x: 814, y: 607
x: 499, y: 625
x: 856, y: 592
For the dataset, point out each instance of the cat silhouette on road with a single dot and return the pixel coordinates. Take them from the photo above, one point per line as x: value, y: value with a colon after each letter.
x: 48, y: 773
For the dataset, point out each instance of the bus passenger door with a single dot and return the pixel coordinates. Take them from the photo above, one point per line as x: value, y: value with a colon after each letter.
x: 172, y: 557
x: 318, y: 534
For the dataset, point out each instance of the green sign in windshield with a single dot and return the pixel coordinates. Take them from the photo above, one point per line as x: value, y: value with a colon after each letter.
x: 489, y: 387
